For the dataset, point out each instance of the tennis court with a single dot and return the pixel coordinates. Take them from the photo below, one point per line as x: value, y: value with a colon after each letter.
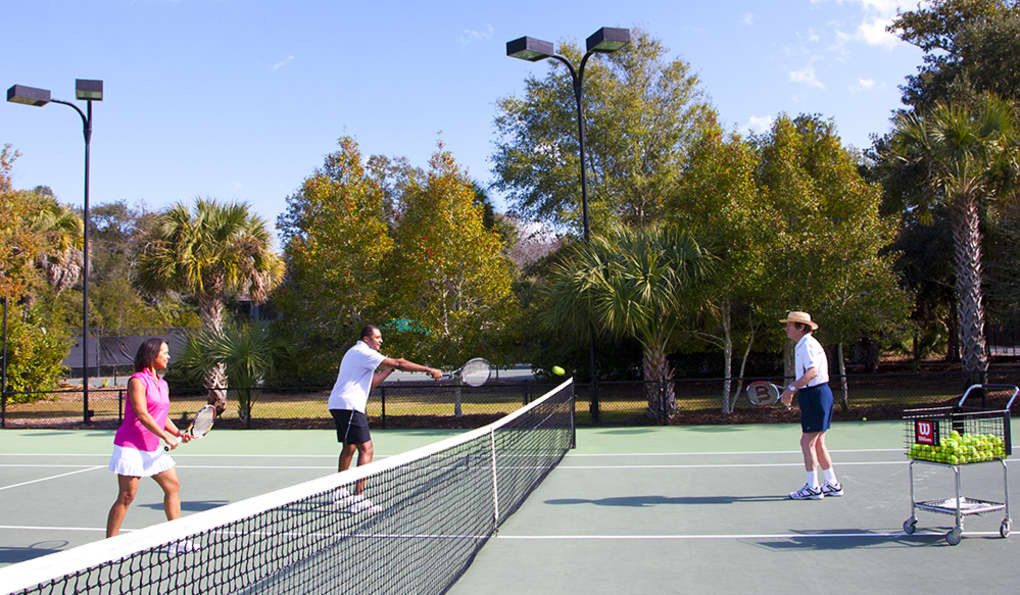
x: 638, y: 509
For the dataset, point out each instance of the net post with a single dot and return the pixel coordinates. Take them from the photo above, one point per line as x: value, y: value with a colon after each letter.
x: 495, y: 488
x: 571, y: 402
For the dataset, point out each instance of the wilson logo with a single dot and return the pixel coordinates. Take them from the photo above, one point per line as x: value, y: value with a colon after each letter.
x: 926, y: 432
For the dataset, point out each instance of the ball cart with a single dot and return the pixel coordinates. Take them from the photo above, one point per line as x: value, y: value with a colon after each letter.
x: 954, y: 437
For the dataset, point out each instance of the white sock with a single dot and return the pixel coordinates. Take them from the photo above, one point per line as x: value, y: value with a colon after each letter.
x: 812, y: 479
x: 830, y: 476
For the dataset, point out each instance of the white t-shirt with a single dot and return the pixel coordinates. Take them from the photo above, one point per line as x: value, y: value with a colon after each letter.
x: 809, y: 354
x: 354, y: 380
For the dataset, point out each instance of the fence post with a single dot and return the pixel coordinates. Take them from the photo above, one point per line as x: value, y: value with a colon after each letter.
x: 120, y: 406
x: 662, y: 402
x: 382, y: 394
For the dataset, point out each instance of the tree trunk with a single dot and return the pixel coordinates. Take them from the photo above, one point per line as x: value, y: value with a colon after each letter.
x: 970, y: 310
x: 210, y: 311
x: 727, y: 324
x: 659, y: 389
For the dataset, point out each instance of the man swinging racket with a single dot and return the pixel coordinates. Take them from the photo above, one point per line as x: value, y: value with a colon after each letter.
x: 355, y: 380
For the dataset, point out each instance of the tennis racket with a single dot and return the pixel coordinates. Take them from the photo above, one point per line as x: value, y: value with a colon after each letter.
x: 475, y: 372
x: 762, y: 393
x: 201, y: 425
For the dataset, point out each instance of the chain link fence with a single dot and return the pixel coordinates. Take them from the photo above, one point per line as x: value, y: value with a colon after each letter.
x: 443, y: 405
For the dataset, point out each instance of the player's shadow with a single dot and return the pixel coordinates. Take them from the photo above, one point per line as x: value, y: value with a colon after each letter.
x: 644, y: 501
x: 191, y: 505
x: 852, y: 538
x: 13, y: 555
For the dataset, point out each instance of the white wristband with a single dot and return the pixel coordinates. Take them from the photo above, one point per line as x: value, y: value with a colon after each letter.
x: 792, y: 388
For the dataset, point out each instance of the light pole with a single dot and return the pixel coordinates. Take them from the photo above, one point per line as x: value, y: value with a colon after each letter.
x: 603, y: 41
x: 89, y: 91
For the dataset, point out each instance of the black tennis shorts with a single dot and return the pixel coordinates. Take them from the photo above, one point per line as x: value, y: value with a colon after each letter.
x: 351, y: 426
x: 815, y: 408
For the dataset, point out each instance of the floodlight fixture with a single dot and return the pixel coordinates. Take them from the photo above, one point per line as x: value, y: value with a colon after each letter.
x: 90, y: 90
x: 28, y: 95
x: 608, y: 39
x: 530, y: 49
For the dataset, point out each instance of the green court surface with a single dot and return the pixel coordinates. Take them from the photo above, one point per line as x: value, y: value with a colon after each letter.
x: 632, y: 509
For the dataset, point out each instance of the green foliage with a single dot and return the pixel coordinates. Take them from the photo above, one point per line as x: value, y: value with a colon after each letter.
x: 448, y: 273
x: 35, y: 355
x: 246, y: 353
x: 641, y: 111
x: 336, y: 243
x: 970, y: 47
x: 210, y: 253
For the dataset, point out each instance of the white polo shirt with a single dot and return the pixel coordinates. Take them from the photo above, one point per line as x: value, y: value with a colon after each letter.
x: 809, y: 354
x: 354, y: 380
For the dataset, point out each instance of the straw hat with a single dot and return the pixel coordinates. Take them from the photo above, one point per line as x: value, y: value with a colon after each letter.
x: 801, y: 317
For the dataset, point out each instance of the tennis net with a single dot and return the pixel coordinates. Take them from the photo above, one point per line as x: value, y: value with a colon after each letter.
x: 415, y: 528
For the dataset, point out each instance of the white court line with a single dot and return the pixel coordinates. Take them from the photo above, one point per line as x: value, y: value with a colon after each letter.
x: 25, y: 483
x: 677, y: 537
x: 87, y: 467
x: 718, y: 466
x: 723, y: 452
x: 747, y: 536
x: 180, y: 455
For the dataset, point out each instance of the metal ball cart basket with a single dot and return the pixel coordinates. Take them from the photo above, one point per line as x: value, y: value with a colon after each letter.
x: 951, y: 437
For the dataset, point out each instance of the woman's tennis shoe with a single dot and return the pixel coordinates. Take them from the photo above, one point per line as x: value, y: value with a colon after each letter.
x: 807, y: 493
x: 362, y: 504
x: 832, y: 489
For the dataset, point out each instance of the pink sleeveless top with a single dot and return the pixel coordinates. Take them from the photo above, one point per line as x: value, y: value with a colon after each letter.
x: 132, y: 433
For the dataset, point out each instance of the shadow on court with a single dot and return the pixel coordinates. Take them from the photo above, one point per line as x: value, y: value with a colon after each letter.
x: 852, y: 538
x: 643, y: 501
x: 13, y: 555
x: 190, y: 505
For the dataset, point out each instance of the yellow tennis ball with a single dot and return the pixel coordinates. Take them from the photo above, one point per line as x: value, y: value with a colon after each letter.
x: 558, y: 371
x: 864, y: 419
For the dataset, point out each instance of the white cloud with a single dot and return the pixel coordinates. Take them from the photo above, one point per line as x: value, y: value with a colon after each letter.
x: 748, y: 19
x: 283, y: 63
x: 471, y: 35
x: 806, y: 76
x: 813, y: 37
x: 758, y: 124
x: 877, y: 15
x: 866, y: 83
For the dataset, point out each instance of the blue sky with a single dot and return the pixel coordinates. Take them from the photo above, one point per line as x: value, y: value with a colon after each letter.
x: 240, y: 100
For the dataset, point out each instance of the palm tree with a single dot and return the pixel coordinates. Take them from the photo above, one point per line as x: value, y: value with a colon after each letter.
x: 633, y: 283
x: 210, y: 253
x: 965, y: 152
x: 61, y: 230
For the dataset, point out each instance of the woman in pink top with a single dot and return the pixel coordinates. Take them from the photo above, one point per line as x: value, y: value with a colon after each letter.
x: 137, y: 451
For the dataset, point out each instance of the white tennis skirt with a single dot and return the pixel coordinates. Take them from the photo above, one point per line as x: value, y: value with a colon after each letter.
x: 139, y: 463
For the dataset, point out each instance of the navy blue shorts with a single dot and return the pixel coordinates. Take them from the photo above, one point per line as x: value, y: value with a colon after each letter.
x: 815, y: 408
x: 351, y: 426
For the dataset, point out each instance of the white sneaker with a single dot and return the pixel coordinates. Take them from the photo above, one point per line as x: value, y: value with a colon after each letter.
x: 362, y: 504
x: 832, y: 489
x: 342, y: 497
x: 807, y: 492
x: 181, y: 547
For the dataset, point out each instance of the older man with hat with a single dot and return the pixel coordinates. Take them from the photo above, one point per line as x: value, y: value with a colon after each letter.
x: 811, y: 368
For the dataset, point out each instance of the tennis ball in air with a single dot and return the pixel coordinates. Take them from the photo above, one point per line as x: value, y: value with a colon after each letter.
x: 558, y: 371
x: 864, y: 419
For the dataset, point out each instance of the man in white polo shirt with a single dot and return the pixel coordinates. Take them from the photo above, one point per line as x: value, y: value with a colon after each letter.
x: 355, y: 380
x: 815, y: 398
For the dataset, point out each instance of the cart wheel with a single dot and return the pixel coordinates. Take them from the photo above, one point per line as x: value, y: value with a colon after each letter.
x: 953, y: 537
x: 1005, y: 527
x: 909, y: 526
